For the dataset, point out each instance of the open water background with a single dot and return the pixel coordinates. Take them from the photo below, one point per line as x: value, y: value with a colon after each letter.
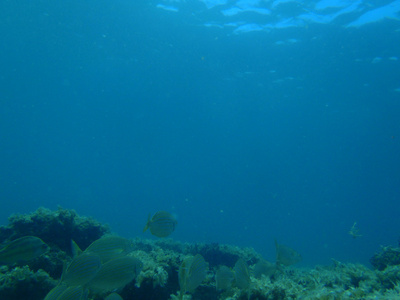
x: 118, y: 109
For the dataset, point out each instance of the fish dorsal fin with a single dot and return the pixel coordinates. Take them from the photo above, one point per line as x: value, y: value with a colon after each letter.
x: 64, y: 270
x: 75, y: 249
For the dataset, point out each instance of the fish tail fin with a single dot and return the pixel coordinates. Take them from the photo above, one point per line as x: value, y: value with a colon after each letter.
x: 147, y: 224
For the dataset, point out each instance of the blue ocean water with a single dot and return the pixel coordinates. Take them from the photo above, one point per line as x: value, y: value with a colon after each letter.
x: 249, y: 120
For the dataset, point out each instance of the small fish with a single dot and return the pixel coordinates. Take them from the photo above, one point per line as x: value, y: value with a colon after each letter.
x: 354, y: 231
x: 264, y: 267
x: 223, y: 278
x: 192, y: 272
x: 113, y: 296
x: 242, y: 274
x: 110, y: 247
x: 162, y: 224
x: 115, y: 274
x: 22, y: 250
x: 286, y: 256
x: 82, y: 269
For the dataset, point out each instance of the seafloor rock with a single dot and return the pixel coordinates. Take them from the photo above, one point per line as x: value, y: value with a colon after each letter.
x: 161, y: 260
x: 389, y: 256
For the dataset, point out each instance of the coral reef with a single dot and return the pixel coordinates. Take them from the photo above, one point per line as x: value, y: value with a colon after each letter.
x: 162, y: 258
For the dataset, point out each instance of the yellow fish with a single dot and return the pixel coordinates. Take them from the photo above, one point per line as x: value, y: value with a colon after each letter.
x: 23, y: 249
x: 286, y: 256
x: 115, y: 274
x: 162, y: 224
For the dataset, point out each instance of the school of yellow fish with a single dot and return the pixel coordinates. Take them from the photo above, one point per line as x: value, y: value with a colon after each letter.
x: 103, y: 267
x: 106, y: 265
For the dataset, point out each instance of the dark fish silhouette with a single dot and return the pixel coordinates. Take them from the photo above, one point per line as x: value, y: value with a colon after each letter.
x: 286, y: 256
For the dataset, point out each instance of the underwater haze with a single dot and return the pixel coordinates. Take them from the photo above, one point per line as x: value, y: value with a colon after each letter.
x: 248, y: 120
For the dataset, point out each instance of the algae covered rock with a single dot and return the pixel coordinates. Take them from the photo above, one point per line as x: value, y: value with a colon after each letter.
x: 389, y: 256
x: 56, y: 228
x: 162, y: 259
x: 34, y: 278
x: 23, y: 283
x: 218, y: 254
